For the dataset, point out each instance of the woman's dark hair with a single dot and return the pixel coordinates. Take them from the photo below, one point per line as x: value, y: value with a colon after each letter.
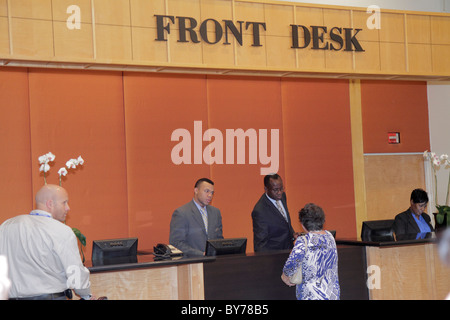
x: 419, y: 196
x: 312, y: 217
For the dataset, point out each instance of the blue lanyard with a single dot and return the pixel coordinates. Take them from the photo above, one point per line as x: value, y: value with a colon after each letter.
x: 34, y: 213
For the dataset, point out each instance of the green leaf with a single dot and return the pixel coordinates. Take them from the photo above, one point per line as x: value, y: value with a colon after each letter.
x: 80, y: 236
x: 440, y: 218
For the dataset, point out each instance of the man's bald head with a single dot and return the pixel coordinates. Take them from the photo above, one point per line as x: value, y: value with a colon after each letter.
x: 53, y: 199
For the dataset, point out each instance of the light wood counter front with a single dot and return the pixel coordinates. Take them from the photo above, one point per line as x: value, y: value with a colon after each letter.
x: 404, y: 270
x: 162, y: 280
x: 410, y: 272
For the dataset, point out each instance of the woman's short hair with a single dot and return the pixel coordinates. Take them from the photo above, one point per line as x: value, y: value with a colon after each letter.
x: 312, y: 217
x: 419, y: 196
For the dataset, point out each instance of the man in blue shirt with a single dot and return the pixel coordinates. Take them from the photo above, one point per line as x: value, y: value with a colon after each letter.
x: 414, y: 220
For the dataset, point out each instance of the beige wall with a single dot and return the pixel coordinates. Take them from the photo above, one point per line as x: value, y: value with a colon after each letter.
x: 390, y: 178
x: 439, y: 115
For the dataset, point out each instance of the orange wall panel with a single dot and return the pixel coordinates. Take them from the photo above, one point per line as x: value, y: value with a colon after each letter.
x: 318, y: 150
x: 15, y: 184
x: 122, y: 125
x: 155, y: 106
x: 244, y: 103
x: 395, y: 106
x: 81, y: 113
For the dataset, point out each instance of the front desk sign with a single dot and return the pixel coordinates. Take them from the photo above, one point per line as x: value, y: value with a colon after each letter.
x: 341, y: 38
x: 242, y: 37
x: 318, y: 43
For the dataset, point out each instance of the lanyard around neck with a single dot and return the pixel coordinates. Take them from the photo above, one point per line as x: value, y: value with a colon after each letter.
x: 37, y: 213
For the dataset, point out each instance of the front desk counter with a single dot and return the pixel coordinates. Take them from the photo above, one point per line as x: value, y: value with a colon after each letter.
x: 232, y: 277
x: 257, y: 276
x: 144, y: 277
x: 403, y: 268
x: 381, y: 269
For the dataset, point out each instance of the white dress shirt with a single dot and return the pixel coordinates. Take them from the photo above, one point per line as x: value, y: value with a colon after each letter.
x: 42, y: 256
x: 284, y: 214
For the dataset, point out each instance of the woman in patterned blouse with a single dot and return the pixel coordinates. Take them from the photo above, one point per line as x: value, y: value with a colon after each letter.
x: 316, y: 254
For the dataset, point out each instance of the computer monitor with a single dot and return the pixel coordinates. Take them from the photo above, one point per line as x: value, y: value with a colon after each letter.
x: 215, y: 247
x: 114, y: 251
x: 377, y: 230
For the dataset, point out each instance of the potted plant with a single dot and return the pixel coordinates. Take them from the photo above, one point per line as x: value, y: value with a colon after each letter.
x: 437, y: 162
x: 71, y: 164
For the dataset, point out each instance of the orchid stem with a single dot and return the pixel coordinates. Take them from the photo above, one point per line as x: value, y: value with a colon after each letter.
x: 435, y: 188
x: 448, y: 190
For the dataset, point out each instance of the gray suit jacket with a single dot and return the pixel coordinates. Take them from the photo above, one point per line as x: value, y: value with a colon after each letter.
x: 187, y: 230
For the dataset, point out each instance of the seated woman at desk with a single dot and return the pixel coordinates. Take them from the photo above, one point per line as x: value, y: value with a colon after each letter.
x: 316, y: 254
x: 414, y: 220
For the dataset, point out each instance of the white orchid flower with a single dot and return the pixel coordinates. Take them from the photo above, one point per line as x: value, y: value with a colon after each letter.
x: 71, y: 164
x: 62, y: 171
x: 44, y: 167
x: 46, y: 158
x: 425, y: 154
x: 50, y: 156
x: 436, y: 162
x: 42, y: 159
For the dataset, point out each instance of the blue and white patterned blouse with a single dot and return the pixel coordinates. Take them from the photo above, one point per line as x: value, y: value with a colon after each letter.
x: 319, y: 267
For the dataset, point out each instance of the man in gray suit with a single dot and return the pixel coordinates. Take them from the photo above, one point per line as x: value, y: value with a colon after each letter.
x: 196, y: 222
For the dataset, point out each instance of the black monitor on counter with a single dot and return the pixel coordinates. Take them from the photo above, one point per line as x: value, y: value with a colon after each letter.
x: 377, y: 230
x: 216, y: 247
x: 114, y: 251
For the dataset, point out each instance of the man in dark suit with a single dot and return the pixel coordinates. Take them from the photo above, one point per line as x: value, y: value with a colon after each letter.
x: 414, y: 220
x: 272, y: 229
x: 196, y: 222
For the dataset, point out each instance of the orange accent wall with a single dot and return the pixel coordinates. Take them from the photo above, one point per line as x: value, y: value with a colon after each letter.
x: 76, y: 113
x: 318, y: 150
x: 395, y: 106
x: 121, y: 123
x: 155, y: 106
x: 15, y: 183
x: 244, y: 103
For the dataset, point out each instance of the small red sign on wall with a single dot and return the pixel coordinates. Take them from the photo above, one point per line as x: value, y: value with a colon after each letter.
x: 393, y: 137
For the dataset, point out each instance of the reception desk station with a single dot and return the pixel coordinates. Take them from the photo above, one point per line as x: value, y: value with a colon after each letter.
x: 378, y: 269
x: 252, y: 276
x: 406, y: 268
x: 157, y: 94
